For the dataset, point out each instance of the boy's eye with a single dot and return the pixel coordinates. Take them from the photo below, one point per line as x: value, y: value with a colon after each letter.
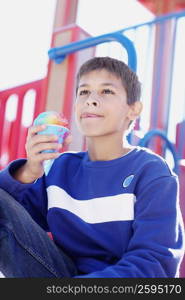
x: 83, y: 92
x: 107, y: 91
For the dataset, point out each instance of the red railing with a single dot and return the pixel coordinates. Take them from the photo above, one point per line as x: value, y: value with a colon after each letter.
x: 18, y: 107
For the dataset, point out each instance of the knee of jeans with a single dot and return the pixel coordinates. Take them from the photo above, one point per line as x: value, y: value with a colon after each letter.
x: 4, y: 195
x: 6, y: 202
x: 4, y: 231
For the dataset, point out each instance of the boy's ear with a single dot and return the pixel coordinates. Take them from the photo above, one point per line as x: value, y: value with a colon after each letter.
x: 134, y: 110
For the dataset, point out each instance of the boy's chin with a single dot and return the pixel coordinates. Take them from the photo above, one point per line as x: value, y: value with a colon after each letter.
x: 91, y: 134
x: 95, y: 134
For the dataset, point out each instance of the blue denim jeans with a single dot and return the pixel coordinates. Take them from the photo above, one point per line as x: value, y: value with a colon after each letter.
x: 25, y: 248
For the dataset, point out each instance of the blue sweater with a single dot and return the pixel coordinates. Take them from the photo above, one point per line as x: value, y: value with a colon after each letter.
x: 117, y: 218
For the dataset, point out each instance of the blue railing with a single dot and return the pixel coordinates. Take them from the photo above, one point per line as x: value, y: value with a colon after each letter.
x: 58, y: 54
x: 144, y: 142
x: 157, y: 20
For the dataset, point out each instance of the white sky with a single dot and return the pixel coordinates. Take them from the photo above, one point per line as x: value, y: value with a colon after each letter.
x: 26, y: 29
x: 103, y: 16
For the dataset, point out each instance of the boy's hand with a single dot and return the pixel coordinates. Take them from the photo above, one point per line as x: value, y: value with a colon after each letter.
x: 35, y: 144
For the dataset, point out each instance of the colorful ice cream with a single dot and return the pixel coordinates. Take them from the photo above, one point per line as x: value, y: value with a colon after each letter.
x: 57, y: 125
x: 50, y: 117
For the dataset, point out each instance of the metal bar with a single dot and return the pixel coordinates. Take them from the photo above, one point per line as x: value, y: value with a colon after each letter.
x: 65, y: 13
x: 159, y: 133
x: 58, y: 54
x: 156, y: 20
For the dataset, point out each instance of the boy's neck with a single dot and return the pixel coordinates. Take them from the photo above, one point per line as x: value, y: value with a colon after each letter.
x: 107, y: 148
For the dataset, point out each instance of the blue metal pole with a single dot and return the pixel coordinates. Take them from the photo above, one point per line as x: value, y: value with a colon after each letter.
x: 58, y: 54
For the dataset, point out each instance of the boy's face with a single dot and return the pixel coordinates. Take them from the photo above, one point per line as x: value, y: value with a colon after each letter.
x: 101, y: 105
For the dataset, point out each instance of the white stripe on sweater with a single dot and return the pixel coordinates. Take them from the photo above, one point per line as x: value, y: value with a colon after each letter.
x: 97, y: 210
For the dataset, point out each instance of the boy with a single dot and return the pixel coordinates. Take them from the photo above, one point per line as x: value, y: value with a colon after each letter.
x: 113, y: 211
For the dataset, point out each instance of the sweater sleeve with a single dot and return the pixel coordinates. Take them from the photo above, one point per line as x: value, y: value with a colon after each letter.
x: 32, y: 196
x: 157, y: 244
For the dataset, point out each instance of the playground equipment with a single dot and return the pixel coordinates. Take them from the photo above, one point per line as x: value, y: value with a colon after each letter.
x: 152, y: 49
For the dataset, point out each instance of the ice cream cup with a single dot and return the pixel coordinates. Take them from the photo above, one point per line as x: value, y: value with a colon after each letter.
x: 55, y: 125
x: 60, y: 131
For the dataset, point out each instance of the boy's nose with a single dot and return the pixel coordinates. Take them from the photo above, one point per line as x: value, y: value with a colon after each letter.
x: 93, y: 99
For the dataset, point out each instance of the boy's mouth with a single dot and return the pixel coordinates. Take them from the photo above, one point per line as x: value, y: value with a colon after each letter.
x: 90, y: 115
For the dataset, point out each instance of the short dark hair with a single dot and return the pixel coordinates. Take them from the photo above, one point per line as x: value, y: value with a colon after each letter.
x: 118, y: 68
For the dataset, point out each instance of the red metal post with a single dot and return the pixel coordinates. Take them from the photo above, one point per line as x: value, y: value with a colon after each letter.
x: 60, y: 84
x: 159, y: 7
x: 60, y: 81
x: 65, y: 13
x: 13, y: 132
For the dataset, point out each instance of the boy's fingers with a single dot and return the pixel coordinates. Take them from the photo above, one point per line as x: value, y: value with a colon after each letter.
x: 45, y: 146
x: 41, y: 138
x: 40, y: 157
x: 35, y: 129
x: 67, y: 140
x: 45, y: 156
